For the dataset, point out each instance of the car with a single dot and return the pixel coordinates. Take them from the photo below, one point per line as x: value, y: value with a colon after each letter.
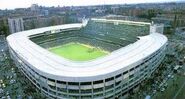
x: 1, y: 90
x: 3, y: 97
x: 154, y: 91
x: 162, y: 89
x: 1, y: 81
x: 169, y: 76
x: 165, y: 85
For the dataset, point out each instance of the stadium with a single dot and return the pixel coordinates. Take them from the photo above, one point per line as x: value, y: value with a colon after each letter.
x: 98, y: 58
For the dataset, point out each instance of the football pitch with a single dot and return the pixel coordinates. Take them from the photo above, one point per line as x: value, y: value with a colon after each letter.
x: 78, y: 51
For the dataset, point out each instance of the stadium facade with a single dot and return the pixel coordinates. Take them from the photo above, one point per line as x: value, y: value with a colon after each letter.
x: 106, y: 77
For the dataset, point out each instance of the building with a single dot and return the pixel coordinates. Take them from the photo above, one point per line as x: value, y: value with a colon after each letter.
x: 108, y: 77
x: 37, y: 22
x: 34, y: 7
x: 15, y: 25
x: 159, y: 28
x: 170, y: 21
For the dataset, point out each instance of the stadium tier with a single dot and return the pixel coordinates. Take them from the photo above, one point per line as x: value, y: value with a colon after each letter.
x: 128, y: 53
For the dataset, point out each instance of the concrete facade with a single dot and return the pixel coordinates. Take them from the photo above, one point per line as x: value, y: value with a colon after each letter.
x: 108, y: 77
x: 15, y: 25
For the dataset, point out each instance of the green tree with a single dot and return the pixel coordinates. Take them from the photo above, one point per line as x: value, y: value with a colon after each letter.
x: 151, y: 13
x: 4, y: 30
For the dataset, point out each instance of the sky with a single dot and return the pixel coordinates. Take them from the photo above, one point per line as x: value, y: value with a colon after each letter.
x: 12, y: 4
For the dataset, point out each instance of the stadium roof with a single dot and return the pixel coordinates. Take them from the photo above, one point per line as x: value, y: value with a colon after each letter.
x: 49, y: 64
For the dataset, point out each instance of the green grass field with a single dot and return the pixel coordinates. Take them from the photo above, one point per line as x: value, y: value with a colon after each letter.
x: 78, y: 52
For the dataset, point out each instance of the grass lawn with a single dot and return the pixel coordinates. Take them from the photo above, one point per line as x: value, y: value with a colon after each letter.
x: 78, y: 52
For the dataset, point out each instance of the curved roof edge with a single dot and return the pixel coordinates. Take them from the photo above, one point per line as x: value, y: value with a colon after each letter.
x: 53, y: 66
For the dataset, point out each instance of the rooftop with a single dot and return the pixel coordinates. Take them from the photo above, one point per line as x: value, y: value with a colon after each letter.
x: 47, y: 63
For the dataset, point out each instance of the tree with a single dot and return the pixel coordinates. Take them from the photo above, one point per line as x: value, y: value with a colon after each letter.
x: 151, y: 13
x: 4, y: 30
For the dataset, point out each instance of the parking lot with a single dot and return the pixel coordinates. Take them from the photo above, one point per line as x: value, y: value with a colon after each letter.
x: 168, y: 81
x: 13, y: 85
